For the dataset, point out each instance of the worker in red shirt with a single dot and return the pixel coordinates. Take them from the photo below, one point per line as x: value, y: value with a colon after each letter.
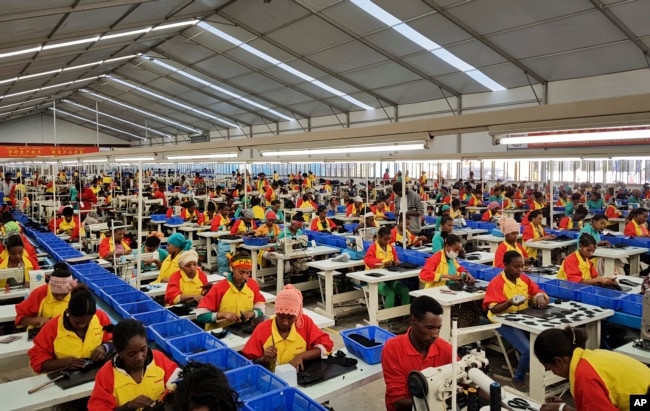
x: 159, y: 193
x: 510, y: 229
x: 418, y: 349
x: 579, y: 268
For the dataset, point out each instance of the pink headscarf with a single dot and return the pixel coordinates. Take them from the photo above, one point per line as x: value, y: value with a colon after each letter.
x: 62, y: 285
x: 289, y: 301
x: 509, y: 225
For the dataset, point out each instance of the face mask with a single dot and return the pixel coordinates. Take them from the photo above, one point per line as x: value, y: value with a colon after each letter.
x: 452, y: 254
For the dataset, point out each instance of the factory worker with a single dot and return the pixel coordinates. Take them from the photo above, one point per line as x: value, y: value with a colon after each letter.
x: 176, y: 244
x: 188, y: 283
x: 510, y: 229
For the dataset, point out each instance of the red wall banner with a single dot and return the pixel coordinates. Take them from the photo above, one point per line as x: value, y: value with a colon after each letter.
x: 43, y: 151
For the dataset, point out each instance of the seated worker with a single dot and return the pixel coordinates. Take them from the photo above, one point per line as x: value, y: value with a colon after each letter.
x: 69, y: 339
x: 595, y: 201
x: 9, y: 227
x: 612, y: 212
x: 294, y: 229
x: 579, y: 268
x: 475, y: 199
x: 187, y: 284
x: 159, y: 192
x: 597, y: 225
x: 204, y: 387
x: 509, y: 292
x: 492, y: 214
x: 445, y: 210
x: 382, y: 254
x: 235, y: 299
x: 17, y: 257
x: 534, y: 232
x: 221, y: 221
x: 257, y: 209
x: 510, y: 229
x: 66, y: 224
x: 152, y: 245
x: 575, y: 221
x: 138, y: 377
x: 355, y: 208
x: 173, y: 204
x: 176, y: 244
x: 269, y: 228
x: 113, y: 244
x: 454, y: 211
x: 322, y: 222
x: 419, y: 348
x: 276, y: 207
x: 397, y: 237
x: 446, y: 227
x: 210, y: 213
x: 290, y: 337
x: 443, y: 266
x: 271, y: 193
x: 368, y: 221
x: 571, y: 204
x: 380, y: 210
x: 190, y: 214
x: 48, y: 300
x: 244, y: 225
x: 637, y: 225
x: 599, y: 379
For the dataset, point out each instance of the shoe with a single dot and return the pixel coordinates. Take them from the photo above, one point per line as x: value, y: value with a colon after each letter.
x: 519, y: 386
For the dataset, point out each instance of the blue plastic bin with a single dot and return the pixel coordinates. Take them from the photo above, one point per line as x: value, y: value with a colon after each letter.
x: 632, y: 304
x: 564, y: 289
x: 225, y: 359
x: 127, y: 310
x: 133, y: 296
x: 163, y: 333
x: 106, y: 292
x: 155, y: 317
x: 253, y: 381
x: 182, y: 347
x: 369, y: 355
x: 602, y: 297
x: 288, y: 399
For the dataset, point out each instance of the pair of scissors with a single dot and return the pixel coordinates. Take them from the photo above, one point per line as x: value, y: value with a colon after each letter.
x: 520, y: 404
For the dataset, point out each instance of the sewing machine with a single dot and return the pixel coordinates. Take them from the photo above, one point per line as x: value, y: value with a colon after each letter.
x: 644, y: 342
x: 354, y: 244
x: 369, y: 233
x: 431, y: 387
x: 291, y: 246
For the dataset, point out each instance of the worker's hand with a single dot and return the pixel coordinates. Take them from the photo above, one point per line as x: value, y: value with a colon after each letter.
x: 230, y: 317
x: 549, y: 237
x: 469, y: 279
x: 380, y: 264
x: 554, y: 406
x: 196, y: 297
x: 517, y: 300
x: 141, y: 401
x: 247, y: 315
x: 297, y: 363
x: 39, y: 321
x: 605, y: 243
x: 98, y: 353
x: 607, y: 280
x: 150, y: 261
x: 554, y: 399
x: 71, y: 363
x: 270, y: 353
x: 541, y: 301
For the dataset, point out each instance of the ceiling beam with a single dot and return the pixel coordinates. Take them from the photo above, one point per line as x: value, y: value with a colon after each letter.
x: 377, y: 49
x: 243, y: 90
x: 483, y: 39
x: 305, y: 59
x: 41, y: 12
x: 613, y: 18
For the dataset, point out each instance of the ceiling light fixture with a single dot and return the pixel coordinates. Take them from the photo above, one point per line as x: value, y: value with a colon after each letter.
x: 345, y: 150
x: 174, y: 102
x: 97, y: 160
x: 67, y: 162
x: 36, y: 90
x: 418, y: 38
x: 217, y: 88
x: 146, y: 113
x: 65, y: 113
x: 209, y: 28
x: 135, y: 159
x: 147, y: 129
x: 199, y: 156
x: 574, y: 136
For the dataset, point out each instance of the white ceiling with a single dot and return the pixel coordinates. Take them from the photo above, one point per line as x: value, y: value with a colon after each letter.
x: 514, y: 42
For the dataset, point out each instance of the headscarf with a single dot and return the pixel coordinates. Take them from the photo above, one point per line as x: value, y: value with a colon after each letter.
x: 358, y: 199
x: 187, y: 257
x: 11, y: 227
x: 178, y: 240
x: 289, y: 301
x: 241, y: 260
x: 493, y: 205
x: 445, y: 208
x: 62, y: 285
x: 509, y: 225
x: 248, y: 213
x: 271, y: 215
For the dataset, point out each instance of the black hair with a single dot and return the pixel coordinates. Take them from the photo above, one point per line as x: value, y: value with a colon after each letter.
x: 152, y: 241
x: 67, y: 212
x: 61, y: 270
x: 14, y: 240
x: 255, y: 201
x: 298, y: 216
x: 397, y: 188
x: 586, y: 240
x: 581, y: 210
x: 125, y: 330
x: 424, y: 304
x: 509, y: 257
x: 455, y: 203
x: 321, y: 208
x: 211, y: 206
x: 599, y: 217
x: 638, y: 211
x: 445, y: 219
x: 82, y: 302
x: 575, y: 196
x: 556, y: 342
x: 383, y: 230
x: 274, y: 202
x: 597, y: 194
x: 534, y: 214
x: 204, y: 385
x: 452, y: 239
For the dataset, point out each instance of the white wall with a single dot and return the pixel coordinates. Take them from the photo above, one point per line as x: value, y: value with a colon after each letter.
x: 39, y: 129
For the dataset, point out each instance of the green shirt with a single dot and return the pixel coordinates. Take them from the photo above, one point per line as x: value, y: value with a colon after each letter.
x: 591, y: 231
x: 438, y: 243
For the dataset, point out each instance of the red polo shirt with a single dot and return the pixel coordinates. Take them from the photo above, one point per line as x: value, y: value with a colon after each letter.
x: 399, y: 358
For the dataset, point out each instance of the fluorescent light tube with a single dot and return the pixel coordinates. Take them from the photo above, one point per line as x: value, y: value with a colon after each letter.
x: 199, y: 156
x: 177, y: 24
x: 101, y: 160
x: 71, y: 43
x: 209, y: 28
x: 96, y: 123
x: 135, y: 159
x: 345, y: 150
x: 575, y: 137
x: 126, y: 33
x: 19, y: 52
x: 68, y: 162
